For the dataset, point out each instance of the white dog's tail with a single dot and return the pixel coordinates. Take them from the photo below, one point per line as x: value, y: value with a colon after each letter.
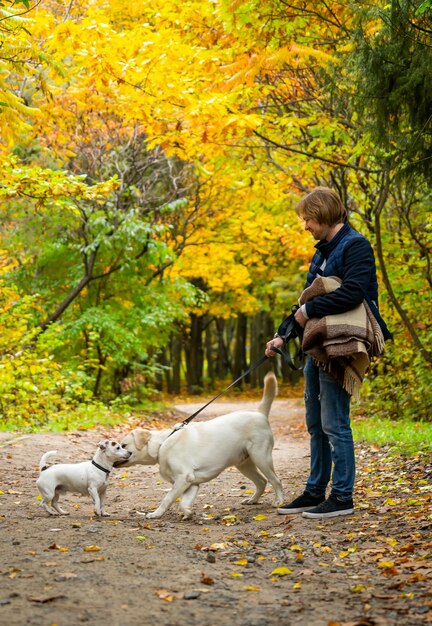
x: 269, y: 393
x: 45, y: 457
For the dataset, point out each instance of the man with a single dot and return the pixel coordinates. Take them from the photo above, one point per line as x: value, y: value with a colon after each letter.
x: 344, y: 253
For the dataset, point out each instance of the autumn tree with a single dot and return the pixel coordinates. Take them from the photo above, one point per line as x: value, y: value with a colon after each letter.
x: 213, y: 117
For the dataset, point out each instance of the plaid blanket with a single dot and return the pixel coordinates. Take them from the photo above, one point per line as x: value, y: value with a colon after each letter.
x: 342, y: 344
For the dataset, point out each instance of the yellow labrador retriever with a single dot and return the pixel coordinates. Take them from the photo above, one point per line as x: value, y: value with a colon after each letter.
x: 200, y: 451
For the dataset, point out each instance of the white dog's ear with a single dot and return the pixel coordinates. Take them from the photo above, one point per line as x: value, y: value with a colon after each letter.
x: 103, y: 444
x: 141, y: 437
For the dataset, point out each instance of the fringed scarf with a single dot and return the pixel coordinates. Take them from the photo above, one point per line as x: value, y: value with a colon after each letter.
x: 342, y: 344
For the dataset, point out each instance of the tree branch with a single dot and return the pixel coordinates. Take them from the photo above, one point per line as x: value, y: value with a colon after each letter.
x: 315, y: 156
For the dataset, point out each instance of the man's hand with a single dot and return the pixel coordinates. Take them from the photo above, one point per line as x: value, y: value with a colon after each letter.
x: 276, y: 342
x: 300, y: 318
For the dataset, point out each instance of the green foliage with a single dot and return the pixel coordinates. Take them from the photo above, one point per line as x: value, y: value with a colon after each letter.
x: 33, y: 385
x: 425, y: 5
x: 398, y: 386
x: 394, y: 82
x: 40, y: 389
x: 118, y: 340
x: 96, y: 256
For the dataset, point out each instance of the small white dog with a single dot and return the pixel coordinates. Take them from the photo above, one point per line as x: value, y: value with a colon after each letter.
x: 198, y: 452
x: 88, y: 477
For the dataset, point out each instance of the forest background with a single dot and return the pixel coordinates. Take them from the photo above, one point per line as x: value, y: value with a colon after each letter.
x: 152, y: 154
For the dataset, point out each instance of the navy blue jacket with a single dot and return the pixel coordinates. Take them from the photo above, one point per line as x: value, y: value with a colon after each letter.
x: 350, y: 257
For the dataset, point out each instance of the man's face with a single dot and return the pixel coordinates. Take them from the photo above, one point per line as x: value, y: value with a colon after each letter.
x: 318, y: 231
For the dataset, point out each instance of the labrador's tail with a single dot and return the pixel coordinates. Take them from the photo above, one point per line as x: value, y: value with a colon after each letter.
x: 269, y: 393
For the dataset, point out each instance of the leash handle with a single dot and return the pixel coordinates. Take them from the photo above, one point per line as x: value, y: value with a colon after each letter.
x: 289, y: 359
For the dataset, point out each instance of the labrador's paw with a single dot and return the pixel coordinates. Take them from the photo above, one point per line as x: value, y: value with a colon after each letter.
x: 250, y: 501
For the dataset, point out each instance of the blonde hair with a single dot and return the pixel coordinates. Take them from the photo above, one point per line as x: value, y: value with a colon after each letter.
x: 322, y: 205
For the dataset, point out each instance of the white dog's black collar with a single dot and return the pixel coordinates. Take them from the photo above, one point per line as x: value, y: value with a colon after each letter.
x: 100, y: 467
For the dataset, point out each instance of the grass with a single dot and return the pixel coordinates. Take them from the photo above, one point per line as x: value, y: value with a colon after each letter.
x: 402, y: 437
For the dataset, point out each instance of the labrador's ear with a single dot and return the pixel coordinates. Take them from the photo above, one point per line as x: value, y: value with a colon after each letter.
x: 141, y: 437
x: 153, y: 446
x: 103, y: 444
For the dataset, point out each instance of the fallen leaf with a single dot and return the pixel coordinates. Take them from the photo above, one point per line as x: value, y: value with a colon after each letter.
x: 14, y: 571
x: 206, y: 580
x: 218, y: 546
x: 391, y: 541
x: 54, y: 546
x: 229, y: 519
x: 91, y: 549
x: 164, y: 594
x: 281, y: 571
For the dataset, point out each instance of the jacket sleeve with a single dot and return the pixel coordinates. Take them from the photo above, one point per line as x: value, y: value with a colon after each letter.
x: 358, y: 272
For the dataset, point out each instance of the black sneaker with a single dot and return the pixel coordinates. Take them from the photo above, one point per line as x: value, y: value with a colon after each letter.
x: 305, y: 502
x: 332, y: 507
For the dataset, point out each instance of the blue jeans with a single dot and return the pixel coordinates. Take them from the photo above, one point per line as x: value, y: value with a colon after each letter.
x: 331, y: 441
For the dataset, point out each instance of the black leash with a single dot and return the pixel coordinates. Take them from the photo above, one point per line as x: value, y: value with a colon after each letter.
x: 253, y: 367
x: 295, y: 357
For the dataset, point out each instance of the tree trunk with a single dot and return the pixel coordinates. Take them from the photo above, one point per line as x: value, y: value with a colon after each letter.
x: 101, y: 364
x: 163, y: 373
x: 240, y: 363
x: 222, y: 362
x: 209, y: 355
x: 194, y: 355
x: 176, y: 351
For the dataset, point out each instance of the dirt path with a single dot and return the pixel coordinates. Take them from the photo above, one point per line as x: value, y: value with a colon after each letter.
x: 229, y: 564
